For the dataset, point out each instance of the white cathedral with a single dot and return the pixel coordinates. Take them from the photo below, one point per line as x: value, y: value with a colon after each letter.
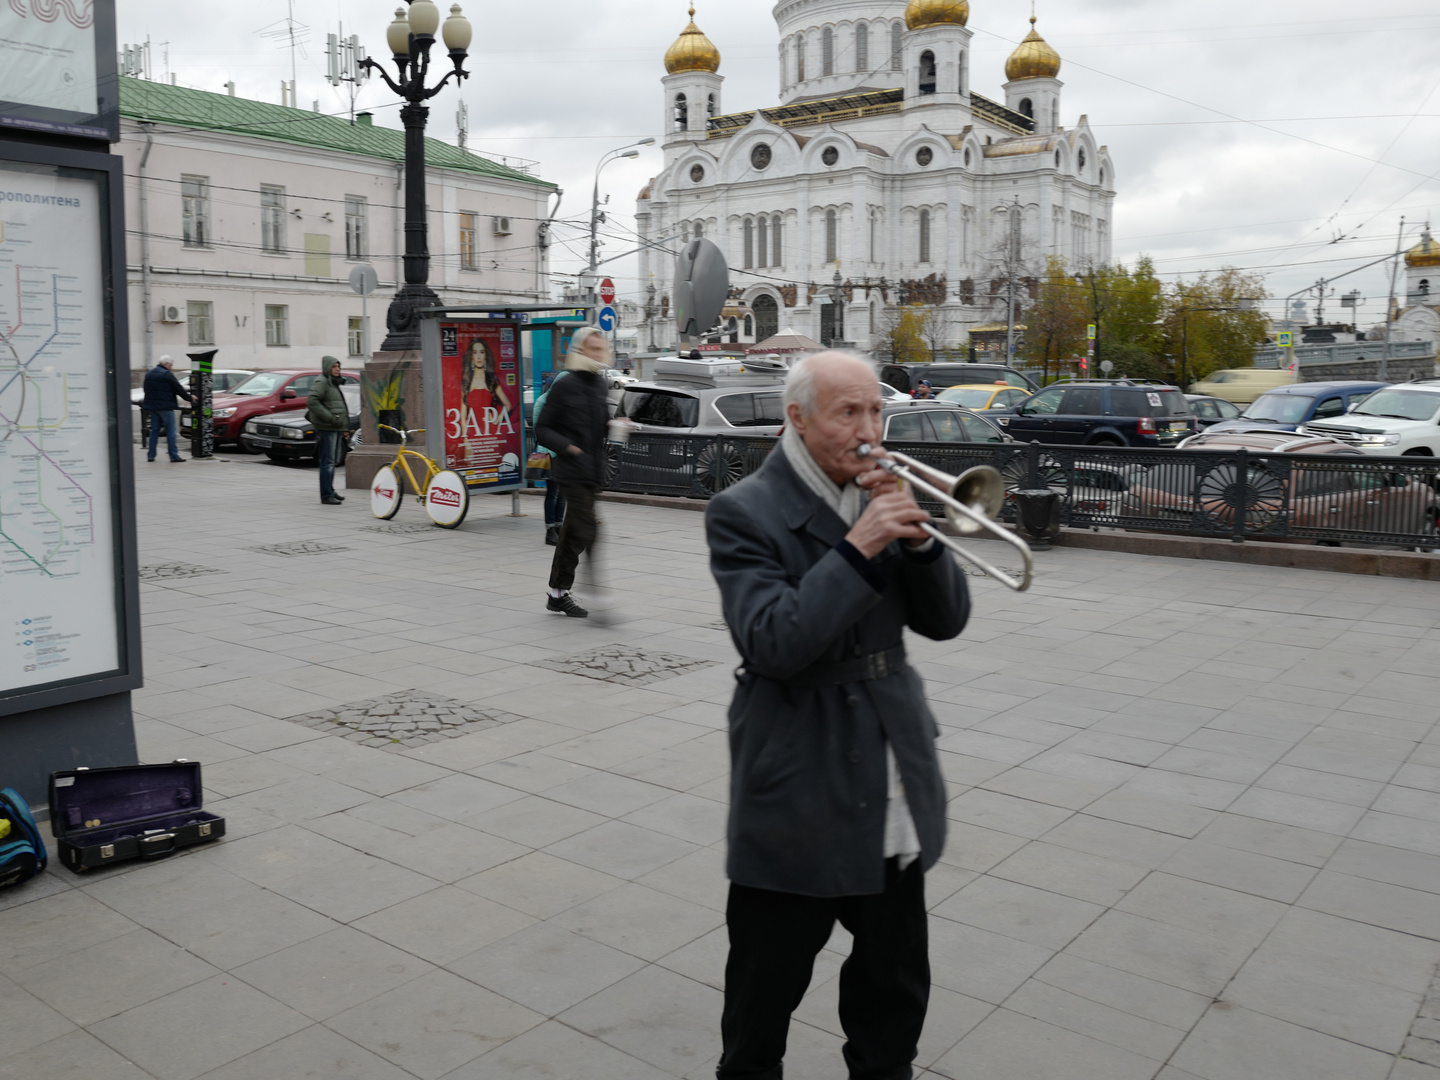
x: 881, y: 179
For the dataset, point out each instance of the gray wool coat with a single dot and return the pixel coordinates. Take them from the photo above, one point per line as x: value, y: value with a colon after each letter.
x: 808, y: 771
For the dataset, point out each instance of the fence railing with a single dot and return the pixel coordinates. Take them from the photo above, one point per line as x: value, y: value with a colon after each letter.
x: 1240, y: 495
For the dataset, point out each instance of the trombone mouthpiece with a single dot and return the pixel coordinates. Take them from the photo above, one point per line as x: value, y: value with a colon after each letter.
x: 863, y: 450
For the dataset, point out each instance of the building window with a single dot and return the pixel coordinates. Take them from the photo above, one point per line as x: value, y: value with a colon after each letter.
x: 272, y: 219
x: 468, y: 254
x: 1080, y: 161
x: 927, y: 72
x: 200, y: 315
x: 355, y: 335
x: 784, y: 63
x: 277, y: 325
x: 829, y: 156
x: 832, y: 236
x: 924, y: 236
x: 357, y: 240
x: 960, y: 85
x: 827, y: 52
x: 776, y: 251
x: 874, y: 230
x: 682, y: 113
x: 195, y: 210
x: 799, y: 57
x: 896, y: 29
x: 749, y: 326
x: 710, y: 106
x: 1027, y: 108
x: 767, y: 317
x: 762, y: 229
x: 699, y: 230
x: 748, y: 229
x: 862, y: 47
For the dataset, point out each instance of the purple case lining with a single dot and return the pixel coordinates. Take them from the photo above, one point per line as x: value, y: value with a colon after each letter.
x: 120, y: 796
x: 133, y: 829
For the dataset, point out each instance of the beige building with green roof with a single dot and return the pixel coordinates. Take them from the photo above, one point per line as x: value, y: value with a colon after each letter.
x: 251, y: 216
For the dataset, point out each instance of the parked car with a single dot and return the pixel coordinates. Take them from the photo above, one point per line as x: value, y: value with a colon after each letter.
x: 1314, y: 495
x: 1398, y: 420
x: 1120, y: 413
x: 730, y: 409
x: 1210, y: 411
x: 1242, y: 385
x: 932, y: 421
x: 999, y: 395
x: 1287, y: 407
x: 905, y: 377
x: 264, y: 392
x: 288, y: 436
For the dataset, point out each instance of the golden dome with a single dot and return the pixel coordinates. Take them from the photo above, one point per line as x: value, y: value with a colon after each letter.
x: 1425, y: 253
x: 920, y: 13
x: 692, y: 51
x: 1033, y: 58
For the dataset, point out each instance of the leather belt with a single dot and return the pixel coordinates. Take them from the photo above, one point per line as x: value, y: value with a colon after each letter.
x: 876, y: 665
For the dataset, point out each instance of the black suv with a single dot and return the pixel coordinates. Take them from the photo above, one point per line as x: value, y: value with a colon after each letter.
x: 1102, y: 414
x: 907, y: 376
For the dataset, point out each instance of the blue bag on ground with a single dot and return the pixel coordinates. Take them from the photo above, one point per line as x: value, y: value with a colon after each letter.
x: 22, y: 849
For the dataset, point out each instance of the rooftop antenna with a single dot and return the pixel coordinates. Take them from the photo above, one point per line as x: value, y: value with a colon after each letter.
x: 462, y: 123
x: 288, y: 34
x: 345, y: 63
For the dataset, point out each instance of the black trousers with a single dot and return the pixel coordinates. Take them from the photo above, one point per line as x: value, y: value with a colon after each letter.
x: 884, y: 984
x: 577, y: 534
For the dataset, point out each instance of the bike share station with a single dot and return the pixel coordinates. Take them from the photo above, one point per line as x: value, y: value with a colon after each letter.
x: 473, y: 378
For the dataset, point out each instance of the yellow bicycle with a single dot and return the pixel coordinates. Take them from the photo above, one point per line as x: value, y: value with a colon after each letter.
x: 442, y: 492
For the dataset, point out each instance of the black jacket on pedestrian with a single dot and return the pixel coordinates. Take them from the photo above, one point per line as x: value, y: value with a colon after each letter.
x: 161, y: 389
x: 808, y: 730
x: 575, y: 414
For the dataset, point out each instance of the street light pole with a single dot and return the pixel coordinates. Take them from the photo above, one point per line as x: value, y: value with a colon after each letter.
x: 410, y: 39
x: 595, y: 215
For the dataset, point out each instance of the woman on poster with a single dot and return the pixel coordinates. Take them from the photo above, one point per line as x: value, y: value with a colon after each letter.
x: 480, y: 387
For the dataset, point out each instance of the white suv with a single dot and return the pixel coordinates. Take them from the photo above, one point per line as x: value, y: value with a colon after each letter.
x: 1398, y: 420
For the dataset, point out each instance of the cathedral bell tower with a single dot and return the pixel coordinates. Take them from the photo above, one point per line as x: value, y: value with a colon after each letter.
x: 692, y: 85
x: 937, y: 52
x: 1033, y: 88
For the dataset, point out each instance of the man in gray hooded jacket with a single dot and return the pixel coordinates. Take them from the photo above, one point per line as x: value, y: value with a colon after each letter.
x: 837, y: 804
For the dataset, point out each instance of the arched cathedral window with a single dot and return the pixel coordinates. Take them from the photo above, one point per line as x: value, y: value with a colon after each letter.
x: 862, y: 47
x: 777, y: 253
x: 710, y: 106
x: 927, y: 72
x: 761, y: 229
x: 799, y: 57
x: 748, y: 230
x: 924, y: 236
x: 827, y: 52
x: 1027, y: 108
x: 682, y: 113
x: 896, y: 30
x: 832, y: 236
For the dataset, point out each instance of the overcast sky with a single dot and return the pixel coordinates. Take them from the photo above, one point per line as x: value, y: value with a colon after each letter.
x: 1284, y: 137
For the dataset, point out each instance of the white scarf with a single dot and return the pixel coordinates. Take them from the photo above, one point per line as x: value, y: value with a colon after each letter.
x: 580, y: 362
x: 847, y: 501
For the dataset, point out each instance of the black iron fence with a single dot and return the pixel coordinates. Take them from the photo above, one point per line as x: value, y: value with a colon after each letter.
x: 1242, y: 495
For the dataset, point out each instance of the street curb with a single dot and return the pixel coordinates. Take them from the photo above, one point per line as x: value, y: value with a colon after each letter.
x: 1393, y: 564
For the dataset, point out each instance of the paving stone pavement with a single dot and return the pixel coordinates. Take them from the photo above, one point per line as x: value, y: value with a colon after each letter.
x: 1195, y: 819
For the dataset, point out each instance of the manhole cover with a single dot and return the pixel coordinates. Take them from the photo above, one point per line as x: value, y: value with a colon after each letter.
x: 405, y: 718
x: 624, y: 664
x: 172, y: 570
x: 401, y: 528
x: 298, y: 547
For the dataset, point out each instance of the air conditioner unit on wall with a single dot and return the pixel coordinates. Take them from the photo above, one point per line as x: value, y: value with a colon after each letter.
x: 170, y: 313
x: 502, y: 226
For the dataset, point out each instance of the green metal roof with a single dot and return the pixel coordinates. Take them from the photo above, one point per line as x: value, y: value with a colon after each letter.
x: 182, y: 107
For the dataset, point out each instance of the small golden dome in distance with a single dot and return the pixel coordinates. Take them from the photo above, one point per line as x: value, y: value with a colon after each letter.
x: 1425, y: 253
x: 920, y: 13
x: 692, y: 51
x: 1033, y: 58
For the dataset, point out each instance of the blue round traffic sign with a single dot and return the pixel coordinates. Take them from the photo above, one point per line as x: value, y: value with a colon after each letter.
x: 606, y: 320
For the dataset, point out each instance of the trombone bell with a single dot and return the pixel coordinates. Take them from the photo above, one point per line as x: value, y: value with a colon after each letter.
x: 981, y: 489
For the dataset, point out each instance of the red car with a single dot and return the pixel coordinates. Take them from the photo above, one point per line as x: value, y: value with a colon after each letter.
x: 283, y: 390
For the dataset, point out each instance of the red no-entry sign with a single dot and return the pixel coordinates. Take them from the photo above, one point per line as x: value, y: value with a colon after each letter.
x: 607, y: 291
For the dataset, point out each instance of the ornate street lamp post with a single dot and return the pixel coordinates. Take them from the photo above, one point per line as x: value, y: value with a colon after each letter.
x: 410, y: 38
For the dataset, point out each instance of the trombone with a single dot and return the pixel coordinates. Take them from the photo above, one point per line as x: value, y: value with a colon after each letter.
x: 971, y: 500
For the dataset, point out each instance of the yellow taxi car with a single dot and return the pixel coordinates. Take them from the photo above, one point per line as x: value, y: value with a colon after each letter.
x: 997, y: 395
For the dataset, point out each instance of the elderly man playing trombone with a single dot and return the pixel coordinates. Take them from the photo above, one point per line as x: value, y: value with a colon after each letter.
x: 837, y: 805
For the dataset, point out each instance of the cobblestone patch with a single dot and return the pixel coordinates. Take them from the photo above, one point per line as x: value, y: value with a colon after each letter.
x: 622, y: 664
x: 405, y: 718
x: 402, y: 528
x: 1423, y: 1043
x: 299, y: 547
x: 172, y: 570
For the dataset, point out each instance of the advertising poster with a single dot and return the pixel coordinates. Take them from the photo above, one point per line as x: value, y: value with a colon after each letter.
x: 58, y: 606
x: 480, y: 368
x: 48, y: 64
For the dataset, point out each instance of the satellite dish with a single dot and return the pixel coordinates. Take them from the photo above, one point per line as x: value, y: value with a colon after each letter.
x: 702, y: 284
